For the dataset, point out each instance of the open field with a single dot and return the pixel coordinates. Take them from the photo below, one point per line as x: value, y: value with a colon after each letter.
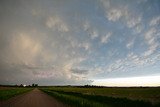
x: 83, y: 96
x: 103, y: 97
x: 8, y: 92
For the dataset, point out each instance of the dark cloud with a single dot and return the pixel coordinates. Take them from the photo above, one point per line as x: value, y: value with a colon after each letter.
x: 79, y: 71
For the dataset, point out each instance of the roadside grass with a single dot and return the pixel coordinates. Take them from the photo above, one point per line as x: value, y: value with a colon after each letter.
x: 80, y: 99
x: 8, y: 93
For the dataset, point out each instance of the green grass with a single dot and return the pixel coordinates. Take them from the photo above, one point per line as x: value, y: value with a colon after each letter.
x: 11, y: 92
x: 146, y: 94
x: 114, y: 97
x: 73, y: 100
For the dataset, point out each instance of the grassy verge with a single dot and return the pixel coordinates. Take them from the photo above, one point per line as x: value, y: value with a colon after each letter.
x: 8, y: 93
x: 80, y: 100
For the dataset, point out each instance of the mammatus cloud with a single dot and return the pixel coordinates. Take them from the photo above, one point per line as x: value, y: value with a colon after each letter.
x: 151, y: 39
x: 93, y: 34
x: 132, y: 61
x: 123, y: 13
x: 56, y: 43
x: 104, y: 39
x: 114, y: 15
x: 79, y: 71
x: 155, y: 21
x: 56, y: 23
x: 31, y: 58
x: 130, y: 44
x: 86, y: 46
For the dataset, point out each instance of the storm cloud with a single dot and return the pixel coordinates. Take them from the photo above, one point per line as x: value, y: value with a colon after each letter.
x: 59, y: 42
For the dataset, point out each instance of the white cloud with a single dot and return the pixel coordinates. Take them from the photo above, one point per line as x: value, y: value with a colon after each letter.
x: 104, y: 39
x: 93, y: 34
x: 24, y: 48
x: 35, y: 59
x: 150, y: 38
x: 155, y: 21
x: 86, y: 25
x: 133, y: 21
x: 55, y: 54
x: 138, y: 28
x: 114, y: 14
x: 130, y: 44
x: 117, y: 65
x: 135, y: 60
x: 36, y: 12
x: 57, y: 23
x: 86, y: 46
x: 131, y: 61
x: 106, y: 3
x: 149, y: 35
x: 151, y: 49
x: 139, y: 61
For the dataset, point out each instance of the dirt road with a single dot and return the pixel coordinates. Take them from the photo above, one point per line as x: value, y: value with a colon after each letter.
x: 35, y: 98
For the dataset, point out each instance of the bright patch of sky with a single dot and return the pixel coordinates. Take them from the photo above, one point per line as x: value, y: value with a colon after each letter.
x: 77, y: 42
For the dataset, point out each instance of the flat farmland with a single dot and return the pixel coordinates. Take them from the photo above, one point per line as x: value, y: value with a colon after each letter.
x: 115, y: 96
x: 80, y: 96
x: 8, y: 92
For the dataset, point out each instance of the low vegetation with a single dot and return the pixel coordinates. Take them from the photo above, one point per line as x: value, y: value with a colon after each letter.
x: 106, y: 97
x: 6, y: 93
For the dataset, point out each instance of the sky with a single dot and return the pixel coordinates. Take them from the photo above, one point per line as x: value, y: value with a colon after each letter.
x: 79, y: 42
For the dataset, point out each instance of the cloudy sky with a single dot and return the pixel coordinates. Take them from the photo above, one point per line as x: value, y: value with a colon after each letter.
x: 77, y: 42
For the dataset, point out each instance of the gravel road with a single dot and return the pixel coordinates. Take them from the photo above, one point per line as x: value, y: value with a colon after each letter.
x: 34, y: 98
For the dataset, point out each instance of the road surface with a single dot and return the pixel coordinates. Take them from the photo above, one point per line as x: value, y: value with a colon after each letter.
x: 35, y: 98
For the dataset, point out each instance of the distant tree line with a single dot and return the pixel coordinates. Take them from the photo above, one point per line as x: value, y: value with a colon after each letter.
x: 23, y: 85
x: 34, y: 85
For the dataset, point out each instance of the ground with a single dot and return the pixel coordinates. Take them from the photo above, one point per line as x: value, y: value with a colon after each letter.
x: 34, y: 98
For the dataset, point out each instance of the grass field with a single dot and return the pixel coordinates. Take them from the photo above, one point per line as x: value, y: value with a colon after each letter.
x: 8, y: 92
x: 106, y: 97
